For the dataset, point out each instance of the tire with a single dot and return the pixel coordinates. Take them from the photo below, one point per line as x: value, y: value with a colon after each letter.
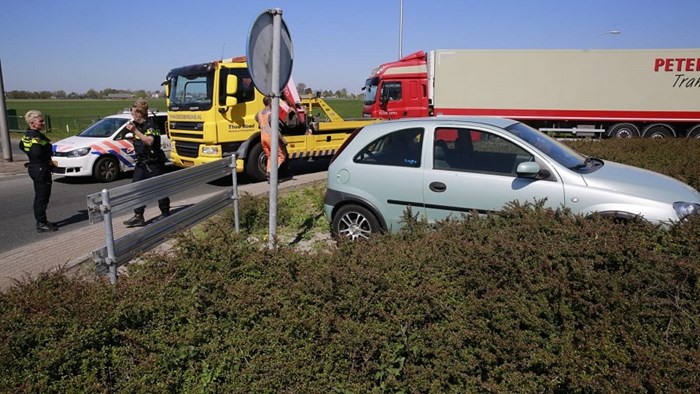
x: 106, y: 169
x: 256, y: 163
x: 622, y: 130
x: 694, y: 132
x: 353, y: 222
x: 658, y: 130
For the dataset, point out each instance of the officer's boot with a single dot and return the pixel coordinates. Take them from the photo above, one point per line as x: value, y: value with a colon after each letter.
x: 135, y: 221
x: 46, y: 227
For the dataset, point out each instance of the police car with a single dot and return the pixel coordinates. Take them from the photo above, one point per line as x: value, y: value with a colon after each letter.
x: 102, y: 150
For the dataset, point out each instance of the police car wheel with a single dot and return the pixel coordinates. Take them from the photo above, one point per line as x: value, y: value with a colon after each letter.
x: 106, y: 169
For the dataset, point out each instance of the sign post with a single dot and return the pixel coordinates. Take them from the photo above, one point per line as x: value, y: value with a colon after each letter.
x: 269, y: 55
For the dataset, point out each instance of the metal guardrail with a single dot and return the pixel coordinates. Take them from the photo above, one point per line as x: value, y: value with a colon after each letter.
x: 102, y: 205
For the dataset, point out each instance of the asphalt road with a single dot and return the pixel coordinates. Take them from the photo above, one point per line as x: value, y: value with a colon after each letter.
x: 68, y: 205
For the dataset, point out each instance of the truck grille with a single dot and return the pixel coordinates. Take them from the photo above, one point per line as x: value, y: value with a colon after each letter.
x: 187, y: 149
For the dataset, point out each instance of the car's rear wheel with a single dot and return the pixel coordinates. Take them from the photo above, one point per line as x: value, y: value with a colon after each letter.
x: 353, y: 222
x: 106, y: 169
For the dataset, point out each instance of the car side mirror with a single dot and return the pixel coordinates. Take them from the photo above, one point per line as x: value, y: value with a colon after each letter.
x: 129, y: 136
x: 528, y: 169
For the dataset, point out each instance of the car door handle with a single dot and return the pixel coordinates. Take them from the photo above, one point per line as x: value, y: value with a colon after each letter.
x: 437, y: 187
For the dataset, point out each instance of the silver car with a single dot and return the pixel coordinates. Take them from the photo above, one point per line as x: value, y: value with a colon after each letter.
x: 442, y: 167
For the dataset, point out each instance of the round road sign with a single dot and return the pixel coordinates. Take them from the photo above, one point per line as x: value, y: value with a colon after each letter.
x: 259, y: 52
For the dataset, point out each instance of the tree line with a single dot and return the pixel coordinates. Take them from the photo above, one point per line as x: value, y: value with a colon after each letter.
x: 90, y: 94
x: 302, y: 88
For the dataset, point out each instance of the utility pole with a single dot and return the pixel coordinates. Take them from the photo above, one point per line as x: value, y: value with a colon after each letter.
x: 4, y: 130
x: 400, y: 29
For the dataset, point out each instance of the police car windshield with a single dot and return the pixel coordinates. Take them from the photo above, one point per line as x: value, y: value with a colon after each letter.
x: 103, y: 127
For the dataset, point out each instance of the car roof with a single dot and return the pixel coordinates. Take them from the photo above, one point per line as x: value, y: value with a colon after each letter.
x: 128, y: 115
x: 442, y: 119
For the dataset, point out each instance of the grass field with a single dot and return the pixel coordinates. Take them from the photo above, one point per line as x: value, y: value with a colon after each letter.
x: 69, y: 117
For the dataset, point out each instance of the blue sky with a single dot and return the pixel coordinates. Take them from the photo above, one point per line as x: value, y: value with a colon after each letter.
x: 76, y: 45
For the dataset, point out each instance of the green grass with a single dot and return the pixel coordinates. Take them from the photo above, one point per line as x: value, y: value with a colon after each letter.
x: 69, y: 117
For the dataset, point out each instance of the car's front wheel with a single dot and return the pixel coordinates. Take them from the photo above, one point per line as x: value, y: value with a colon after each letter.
x: 354, y: 222
x: 106, y: 169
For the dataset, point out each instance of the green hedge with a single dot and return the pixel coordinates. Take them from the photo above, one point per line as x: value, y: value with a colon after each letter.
x: 528, y: 300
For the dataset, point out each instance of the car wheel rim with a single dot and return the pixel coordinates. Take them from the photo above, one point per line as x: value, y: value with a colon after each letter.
x: 108, y: 170
x: 354, y: 226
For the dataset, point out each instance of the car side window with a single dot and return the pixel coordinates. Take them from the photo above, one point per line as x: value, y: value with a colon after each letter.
x: 476, y: 151
x: 401, y: 148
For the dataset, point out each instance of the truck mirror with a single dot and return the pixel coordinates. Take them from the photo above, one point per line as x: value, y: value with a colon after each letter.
x: 231, y: 85
x: 231, y: 101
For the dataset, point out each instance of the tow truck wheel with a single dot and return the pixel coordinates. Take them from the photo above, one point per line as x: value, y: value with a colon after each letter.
x: 106, y: 169
x: 256, y: 165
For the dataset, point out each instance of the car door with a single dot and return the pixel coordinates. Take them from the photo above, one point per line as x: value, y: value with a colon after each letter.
x: 386, y: 174
x: 474, y: 170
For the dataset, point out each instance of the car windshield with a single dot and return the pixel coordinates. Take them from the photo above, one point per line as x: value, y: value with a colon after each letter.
x: 557, y: 151
x: 103, y: 127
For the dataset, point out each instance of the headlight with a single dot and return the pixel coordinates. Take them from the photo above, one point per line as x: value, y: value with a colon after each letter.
x: 210, y: 150
x: 685, y: 209
x: 78, y: 152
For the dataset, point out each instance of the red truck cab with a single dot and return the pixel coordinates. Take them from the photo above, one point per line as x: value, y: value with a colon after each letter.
x: 398, y: 89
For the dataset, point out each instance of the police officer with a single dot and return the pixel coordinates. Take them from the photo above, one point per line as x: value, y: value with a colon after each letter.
x: 38, y: 149
x: 150, y: 158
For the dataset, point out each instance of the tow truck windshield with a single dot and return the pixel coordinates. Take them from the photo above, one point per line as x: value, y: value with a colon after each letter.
x: 191, y: 92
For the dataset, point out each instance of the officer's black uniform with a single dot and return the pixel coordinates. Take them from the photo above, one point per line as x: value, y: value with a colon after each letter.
x: 38, y: 148
x: 150, y: 162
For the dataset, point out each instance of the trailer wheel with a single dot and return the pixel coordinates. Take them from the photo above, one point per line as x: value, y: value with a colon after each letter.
x: 622, y: 130
x: 694, y: 132
x: 658, y: 130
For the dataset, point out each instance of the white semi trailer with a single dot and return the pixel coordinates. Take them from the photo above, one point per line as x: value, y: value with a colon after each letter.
x: 610, y: 93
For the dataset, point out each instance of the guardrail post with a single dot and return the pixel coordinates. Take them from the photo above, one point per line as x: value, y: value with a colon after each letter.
x: 106, y: 209
x: 234, y: 196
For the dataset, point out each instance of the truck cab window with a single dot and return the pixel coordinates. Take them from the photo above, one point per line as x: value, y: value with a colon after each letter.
x: 246, y: 88
x: 391, y: 91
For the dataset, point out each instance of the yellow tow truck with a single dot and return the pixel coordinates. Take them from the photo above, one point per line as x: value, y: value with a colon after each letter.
x: 211, y: 114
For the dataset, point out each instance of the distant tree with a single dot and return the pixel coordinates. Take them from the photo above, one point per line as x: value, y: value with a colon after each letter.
x: 301, y: 88
x: 140, y: 93
x: 106, y: 92
x: 92, y: 94
x: 61, y: 94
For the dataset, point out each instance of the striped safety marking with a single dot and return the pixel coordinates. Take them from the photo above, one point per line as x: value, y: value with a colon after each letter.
x: 315, y: 153
x: 121, y: 149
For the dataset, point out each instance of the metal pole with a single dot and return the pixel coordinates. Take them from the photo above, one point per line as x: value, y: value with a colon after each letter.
x: 234, y: 196
x: 109, y: 236
x: 401, y: 29
x: 4, y: 129
x: 274, y: 144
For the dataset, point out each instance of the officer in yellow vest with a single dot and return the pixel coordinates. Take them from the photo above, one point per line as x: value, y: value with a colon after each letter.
x: 38, y: 149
